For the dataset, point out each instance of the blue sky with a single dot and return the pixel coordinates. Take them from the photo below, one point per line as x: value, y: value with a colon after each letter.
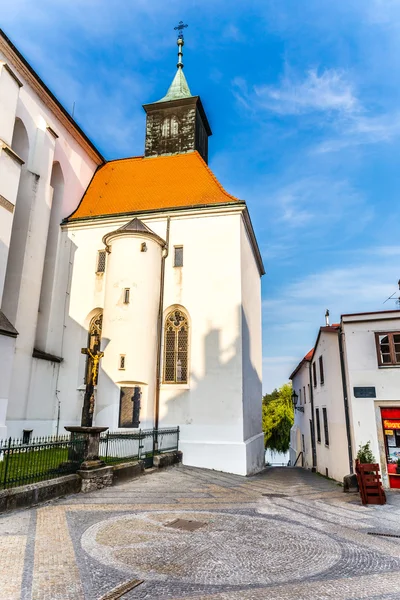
x: 303, y: 97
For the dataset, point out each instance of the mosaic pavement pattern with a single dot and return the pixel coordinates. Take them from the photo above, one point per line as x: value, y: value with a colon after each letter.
x: 188, y: 533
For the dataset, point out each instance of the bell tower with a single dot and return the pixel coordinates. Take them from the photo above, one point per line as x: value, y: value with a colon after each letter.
x: 177, y: 123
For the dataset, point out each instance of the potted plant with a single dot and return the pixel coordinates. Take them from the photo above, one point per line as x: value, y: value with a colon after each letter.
x: 364, y: 454
x: 398, y: 466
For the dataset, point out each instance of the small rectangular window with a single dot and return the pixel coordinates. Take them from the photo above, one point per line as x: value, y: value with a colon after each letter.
x: 326, y: 432
x: 101, y: 261
x: 318, y: 425
x: 127, y: 295
x: 304, y: 394
x: 300, y: 396
x: 121, y: 361
x: 178, y: 256
x: 314, y: 374
x: 321, y: 370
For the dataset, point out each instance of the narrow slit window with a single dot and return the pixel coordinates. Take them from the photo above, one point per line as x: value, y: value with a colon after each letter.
x: 326, y: 430
x: 318, y: 425
x: 321, y: 370
x: 101, y: 261
x: 127, y: 295
x: 314, y: 374
x: 178, y: 256
x: 122, y: 361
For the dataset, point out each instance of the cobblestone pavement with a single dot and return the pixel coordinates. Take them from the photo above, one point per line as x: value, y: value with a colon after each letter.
x: 284, y: 534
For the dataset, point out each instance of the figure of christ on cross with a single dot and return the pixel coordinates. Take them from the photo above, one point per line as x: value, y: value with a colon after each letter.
x: 88, y: 401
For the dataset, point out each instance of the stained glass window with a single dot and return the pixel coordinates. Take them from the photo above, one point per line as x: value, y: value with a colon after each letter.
x: 176, y: 338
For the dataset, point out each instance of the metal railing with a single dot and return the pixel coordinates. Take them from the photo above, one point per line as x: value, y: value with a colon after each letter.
x: 119, y: 446
x: 42, y: 458
x: 48, y: 457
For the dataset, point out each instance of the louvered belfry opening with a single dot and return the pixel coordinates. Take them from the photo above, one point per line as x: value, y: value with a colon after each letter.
x: 176, y: 339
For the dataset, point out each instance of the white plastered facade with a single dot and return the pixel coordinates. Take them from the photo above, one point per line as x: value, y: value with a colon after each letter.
x: 46, y: 164
x: 360, y: 370
x: 218, y: 287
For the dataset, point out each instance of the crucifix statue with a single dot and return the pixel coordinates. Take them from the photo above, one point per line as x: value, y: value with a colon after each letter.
x: 88, y: 401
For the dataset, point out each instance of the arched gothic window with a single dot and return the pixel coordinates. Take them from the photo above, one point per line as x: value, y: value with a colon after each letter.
x: 165, y: 129
x: 94, y: 340
x: 174, y: 126
x: 176, y: 337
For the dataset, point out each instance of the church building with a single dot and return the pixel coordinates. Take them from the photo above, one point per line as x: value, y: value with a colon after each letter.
x: 154, y: 264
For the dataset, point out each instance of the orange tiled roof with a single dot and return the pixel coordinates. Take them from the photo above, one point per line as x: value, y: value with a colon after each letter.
x: 143, y: 184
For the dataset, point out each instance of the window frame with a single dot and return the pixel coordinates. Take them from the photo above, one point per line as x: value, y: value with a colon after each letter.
x: 101, y: 252
x: 314, y: 374
x: 122, y: 362
x: 127, y: 295
x: 392, y: 351
x: 318, y: 424
x: 326, y: 427
x: 321, y: 370
x: 183, y: 326
x: 178, y: 247
x: 304, y: 394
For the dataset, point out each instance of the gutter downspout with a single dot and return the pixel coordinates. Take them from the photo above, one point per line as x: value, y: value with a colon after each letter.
x: 314, y: 449
x: 345, y: 399
x: 159, y: 334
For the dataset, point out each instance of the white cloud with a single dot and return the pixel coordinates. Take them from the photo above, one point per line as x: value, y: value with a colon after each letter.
x: 360, y: 129
x: 329, y: 91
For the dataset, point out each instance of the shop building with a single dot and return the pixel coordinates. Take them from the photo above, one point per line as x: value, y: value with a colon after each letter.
x: 354, y: 379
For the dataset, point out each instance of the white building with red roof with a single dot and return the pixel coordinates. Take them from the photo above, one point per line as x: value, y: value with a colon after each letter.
x: 155, y: 265
x: 353, y: 378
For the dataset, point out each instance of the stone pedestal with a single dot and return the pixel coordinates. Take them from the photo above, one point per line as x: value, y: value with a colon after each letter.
x: 93, y: 471
x: 88, y: 441
x: 96, y: 479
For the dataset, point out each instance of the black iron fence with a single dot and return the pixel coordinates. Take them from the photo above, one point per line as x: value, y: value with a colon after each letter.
x: 40, y: 459
x: 119, y: 446
x: 48, y: 457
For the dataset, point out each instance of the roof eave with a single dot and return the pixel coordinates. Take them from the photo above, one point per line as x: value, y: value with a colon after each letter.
x: 69, y: 220
x: 50, y: 94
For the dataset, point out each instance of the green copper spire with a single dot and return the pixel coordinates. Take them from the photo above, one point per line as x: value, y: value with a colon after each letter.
x: 179, y: 87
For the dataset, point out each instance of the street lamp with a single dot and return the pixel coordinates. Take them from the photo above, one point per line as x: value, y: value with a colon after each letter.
x: 295, y: 399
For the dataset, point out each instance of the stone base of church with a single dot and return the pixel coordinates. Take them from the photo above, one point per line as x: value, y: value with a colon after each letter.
x: 241, y: 458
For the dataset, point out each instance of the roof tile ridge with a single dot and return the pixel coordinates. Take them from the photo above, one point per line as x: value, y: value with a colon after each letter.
x: 113, y: 160
x: 219, y: 184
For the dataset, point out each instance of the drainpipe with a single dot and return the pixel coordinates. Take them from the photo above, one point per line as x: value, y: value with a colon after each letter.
x: 345, y: 399
x: 159, y: 334
x: 314, y: 450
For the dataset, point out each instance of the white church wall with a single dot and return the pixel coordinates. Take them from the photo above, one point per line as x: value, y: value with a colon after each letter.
x: 51, y: 140
x: 10, y: 171
x: 9, y: 90
x: 7, y: 346
x: 209, y: 408
x: 251, y: 354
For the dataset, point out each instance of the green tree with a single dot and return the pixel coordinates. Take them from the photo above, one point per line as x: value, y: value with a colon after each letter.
x: 278, y: 418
